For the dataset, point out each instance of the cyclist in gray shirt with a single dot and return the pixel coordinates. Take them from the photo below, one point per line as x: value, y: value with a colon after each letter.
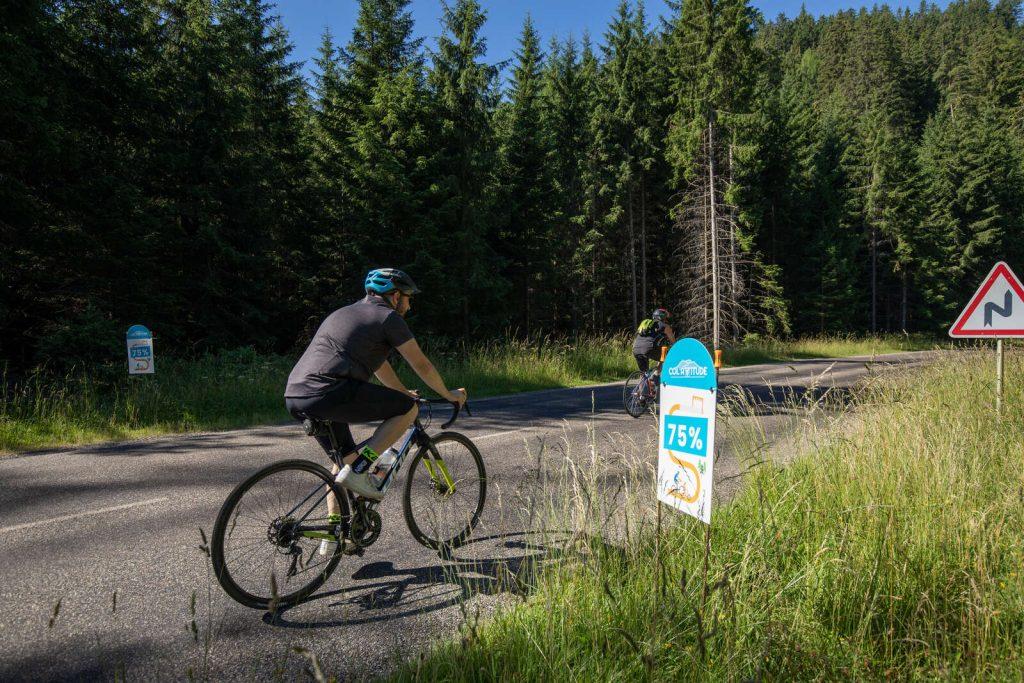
x: 331, y: 381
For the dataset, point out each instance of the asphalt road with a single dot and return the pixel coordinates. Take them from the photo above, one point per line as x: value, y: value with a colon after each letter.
x: 113, y: 534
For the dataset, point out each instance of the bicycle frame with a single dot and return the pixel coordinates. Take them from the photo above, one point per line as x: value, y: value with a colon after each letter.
x: 417, y: 436
x: 641, y: 388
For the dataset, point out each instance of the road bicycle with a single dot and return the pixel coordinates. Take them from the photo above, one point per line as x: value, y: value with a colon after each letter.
x: 274, y: 542
x: 640, y: 393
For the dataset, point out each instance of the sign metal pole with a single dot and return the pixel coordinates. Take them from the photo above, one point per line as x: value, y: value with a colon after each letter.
x: 999, y: 377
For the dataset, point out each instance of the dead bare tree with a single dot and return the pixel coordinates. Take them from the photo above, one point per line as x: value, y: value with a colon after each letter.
x: 712, y: 290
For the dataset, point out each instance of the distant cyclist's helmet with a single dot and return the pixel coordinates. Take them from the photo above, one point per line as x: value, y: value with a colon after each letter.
x: 385, y: 280
x: 660, y: 314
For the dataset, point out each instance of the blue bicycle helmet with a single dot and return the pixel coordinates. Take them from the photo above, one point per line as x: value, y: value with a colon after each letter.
x: 384, y: 280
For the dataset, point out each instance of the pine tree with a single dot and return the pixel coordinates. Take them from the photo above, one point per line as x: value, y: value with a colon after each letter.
x: 384, y: 88
x: 626, y: 145
x: 29, y: 139
x: 463, y: 273
x: 333, y: 236
x: 94, y: 248
x: 592, y: 252
x: 568, y: 84
x: 714, y: 65
x: 973, y: 178
x: 525, y: 232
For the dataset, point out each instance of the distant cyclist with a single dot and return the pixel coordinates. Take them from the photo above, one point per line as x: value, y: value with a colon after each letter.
x: 331, y: 381
x: 653, y: 333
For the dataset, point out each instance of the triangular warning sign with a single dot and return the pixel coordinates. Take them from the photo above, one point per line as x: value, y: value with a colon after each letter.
x: 996, y: 309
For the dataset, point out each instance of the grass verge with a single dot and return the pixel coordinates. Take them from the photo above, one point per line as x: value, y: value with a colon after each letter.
x: 757, y: 350
x: 892, y: 551
x: 241, y: 388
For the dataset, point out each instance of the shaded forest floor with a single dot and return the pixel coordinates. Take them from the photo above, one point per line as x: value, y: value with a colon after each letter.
x: 241, y: 388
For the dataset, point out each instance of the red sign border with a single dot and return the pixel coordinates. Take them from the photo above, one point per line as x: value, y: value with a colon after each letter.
x: 1001, y: 268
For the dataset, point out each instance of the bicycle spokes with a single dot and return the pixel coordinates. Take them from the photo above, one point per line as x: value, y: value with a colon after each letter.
x: 269, y: 535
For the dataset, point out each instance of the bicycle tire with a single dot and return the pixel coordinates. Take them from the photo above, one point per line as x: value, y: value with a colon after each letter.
x: 217, y: 557
x: 633, y: 406
x: 456, y: 539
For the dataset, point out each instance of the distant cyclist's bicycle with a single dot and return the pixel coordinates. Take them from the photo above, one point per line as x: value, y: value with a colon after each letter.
x: 640, y: 393
x: 274, y: 543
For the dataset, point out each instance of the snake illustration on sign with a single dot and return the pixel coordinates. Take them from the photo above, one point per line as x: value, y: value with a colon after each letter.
x: 687, y: 429
x: 676, y: 491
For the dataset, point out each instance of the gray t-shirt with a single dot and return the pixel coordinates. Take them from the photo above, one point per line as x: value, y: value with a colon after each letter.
x: 351, y: 343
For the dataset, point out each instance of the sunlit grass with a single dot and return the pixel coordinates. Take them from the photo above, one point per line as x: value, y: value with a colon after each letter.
x: 757, y: 350
x: 232, y: 389
x: 242, y: 388
x: 889, y: 550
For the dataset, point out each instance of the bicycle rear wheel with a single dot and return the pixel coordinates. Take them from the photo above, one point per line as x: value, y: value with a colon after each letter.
x: 445, y: 491
x: 633, y: 397
x: 266, y: 541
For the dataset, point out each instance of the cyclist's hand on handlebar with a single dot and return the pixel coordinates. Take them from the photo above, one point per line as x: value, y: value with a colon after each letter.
x: 458, y: 396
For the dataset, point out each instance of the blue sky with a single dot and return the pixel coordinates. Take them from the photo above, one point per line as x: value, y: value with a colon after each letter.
x: 306, y: 19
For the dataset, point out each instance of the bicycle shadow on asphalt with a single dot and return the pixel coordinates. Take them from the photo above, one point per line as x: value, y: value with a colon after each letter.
x: 401, y: 588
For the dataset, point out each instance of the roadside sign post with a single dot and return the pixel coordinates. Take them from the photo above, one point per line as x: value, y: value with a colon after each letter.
x: 140, y: 351
x: 996, y: 311
x: 686, y: 441
x: 999, y: 376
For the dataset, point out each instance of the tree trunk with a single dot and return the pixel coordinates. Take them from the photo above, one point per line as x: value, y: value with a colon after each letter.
x: 643, y: 247
x: 715, y: 312
x: 903, y: 300
x: 874, y: 281
x: 632, y: 257
x: 733, y: 279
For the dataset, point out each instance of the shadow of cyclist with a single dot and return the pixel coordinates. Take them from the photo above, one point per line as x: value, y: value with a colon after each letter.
x: 413, y: 591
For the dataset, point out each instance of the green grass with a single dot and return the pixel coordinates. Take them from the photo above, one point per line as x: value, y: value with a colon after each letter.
x: 891, y: 551
x: 756, y: 350
x: 233, y: 389
x: 242, y: 388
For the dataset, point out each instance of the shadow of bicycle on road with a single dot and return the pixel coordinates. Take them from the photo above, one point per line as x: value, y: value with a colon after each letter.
x: 396, y: 592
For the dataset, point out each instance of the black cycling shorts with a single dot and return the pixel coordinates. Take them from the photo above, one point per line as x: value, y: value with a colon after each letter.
x: 350, y: 401
x: 643, y: 359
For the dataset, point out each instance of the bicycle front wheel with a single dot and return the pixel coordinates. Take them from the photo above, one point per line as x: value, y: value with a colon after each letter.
x: 633, y: 394
x: 267, y: 538
x: 445, y: 491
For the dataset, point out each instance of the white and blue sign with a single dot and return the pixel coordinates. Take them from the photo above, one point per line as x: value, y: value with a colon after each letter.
x: 685, y: 434
x: 140, y: 351
x: 688, y: 364
x: 689, y: 388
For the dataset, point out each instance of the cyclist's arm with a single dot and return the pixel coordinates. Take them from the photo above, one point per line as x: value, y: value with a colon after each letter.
x: 389, y: 378
x: 422, y: 366
x: 670, y: 334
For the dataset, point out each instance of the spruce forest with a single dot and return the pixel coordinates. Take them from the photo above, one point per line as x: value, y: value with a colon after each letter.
x: 165, y: 162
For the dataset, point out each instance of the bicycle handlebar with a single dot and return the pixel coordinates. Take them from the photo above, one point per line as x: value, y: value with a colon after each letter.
x: 456, y: 409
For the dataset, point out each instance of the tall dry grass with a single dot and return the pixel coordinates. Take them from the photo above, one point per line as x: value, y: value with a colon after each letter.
x: 890, y: 550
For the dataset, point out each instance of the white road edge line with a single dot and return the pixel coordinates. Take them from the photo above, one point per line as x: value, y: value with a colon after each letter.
x: 100, y: 511
x: 491, y: 436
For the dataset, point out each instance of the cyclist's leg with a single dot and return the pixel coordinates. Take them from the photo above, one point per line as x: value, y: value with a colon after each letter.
x: 365, y: 402
x: 358, y: 401
x: 655, y: 357
x: 642, y: 361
